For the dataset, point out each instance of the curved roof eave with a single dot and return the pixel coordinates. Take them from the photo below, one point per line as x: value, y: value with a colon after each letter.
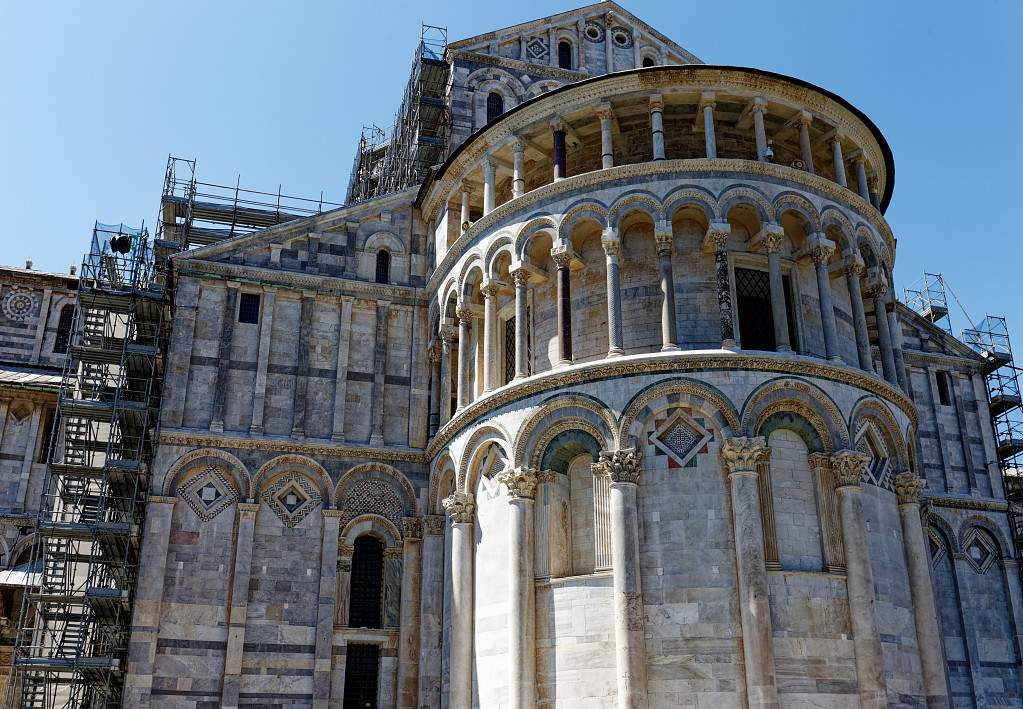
x: 435, y: 174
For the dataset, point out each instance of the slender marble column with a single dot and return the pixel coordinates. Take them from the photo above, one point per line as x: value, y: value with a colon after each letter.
x: 805, y: 150
x: 219, y: 388
x: 562, y: 256
x: 849, y: 467
x: 925, y: 611
x: 853, y: 272
x: 657, y: 125
x: 489, y: 290
x: 717, y: 234
x: 145, y: 619
x: 836, y: 156
x: 376, y: 436
x: 447, y: 338
x: 773, y: 238
x: 623, y: 467
x: 408, y: 618
x: 895, y: 332
x: 463, y: 218
x: 878, y: 290
x: 740, y: 457
x: 560, y: 154
x: 302, y: 377
x: 612, y: 250
x: 521, y: 278
x: 518, y: 168
x: 461, y: 508
x: 325, y: 610
x: 464, y: 316
x: 821, y: 252
x: 245, y: 522
x: 609, y: 47
x: 489, y: 186
x: 607, y: 151
x: 431, y: 612
x: 861, y: 178
x: 521, y: 486
x: 341, y: 375
x: 669, y: 327
x: 875, y: 198
x: 707, y: 107
x: 759, y: 132
x: 435, y: 390
x: 343, y: 584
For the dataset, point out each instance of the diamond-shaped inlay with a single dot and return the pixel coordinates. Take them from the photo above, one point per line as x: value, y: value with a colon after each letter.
x: 681, y: 437
x: 978, y: 554
x: 937, y: 550
x: 209, y: 493
x: 536, y: 48
x: 291, y: 497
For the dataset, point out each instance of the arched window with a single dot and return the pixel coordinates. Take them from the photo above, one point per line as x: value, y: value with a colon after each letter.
x: 383, y: 266
x: 63, y: 339
x: 495, y: 106
x: 366, y: 591
x: 648, y: 61
x: 565, y: 54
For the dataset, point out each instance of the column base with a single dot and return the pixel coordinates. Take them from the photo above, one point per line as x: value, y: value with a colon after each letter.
x: 615, y: 352
x: 563, y: 363
x: 835, y: 358
x: 298, y: 433
x: 255, y: 430
x: 376, y: 439
x: 216, y: 427
x: 337, y: 438
x: 670, y: 348
x: 729, y: 345
x: 782, y: 348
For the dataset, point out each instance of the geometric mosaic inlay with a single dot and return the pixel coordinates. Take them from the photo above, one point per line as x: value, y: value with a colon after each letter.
x: 681, y: 437
x: 371, y: 497
x: 978, y: 554
x: 209, y: 493
x: 291, y: 497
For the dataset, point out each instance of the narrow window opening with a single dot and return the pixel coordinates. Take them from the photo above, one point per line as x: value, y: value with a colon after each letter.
x: 495, y: 106
x: 647, y: 61
x: 366, y: 583
x: 509, y: 350
x: 248, y: 308
x: 564, y: 54
x: 756, y: 321
x: 383, y: 274
x: 63, y: 339
x: 944, y: 388
x: 45, y: 446
x: 362, y: 668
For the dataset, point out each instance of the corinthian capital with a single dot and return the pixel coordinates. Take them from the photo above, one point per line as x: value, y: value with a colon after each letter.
x: 412, y: 527
x: 908, y: 487
x: 741, y: 454
x: 821, y: 250
x: 521, y: 482
x: 461, y: 507
x: 622, y: 466
x: 849, y: 467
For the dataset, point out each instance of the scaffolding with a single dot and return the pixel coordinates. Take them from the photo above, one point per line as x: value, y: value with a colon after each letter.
x: 927, y: 298
x: 419, y: 138
x: 75, y: 621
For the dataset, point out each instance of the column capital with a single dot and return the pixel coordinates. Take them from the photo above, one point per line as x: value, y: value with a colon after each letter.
x: 520, y: 276
x: 741, y: 454
x: 716, y: 238
x: 489, y: 288
x: 759, y: 104
x: 623, y: 465
x: 908, y: 486
x: 875, y: 288
x: 707, y: 98
x: 433, y: 351
x: 345, y: 551
x: 248, y: 508
x: 412, y: 527
x: 557, y: 124
x: 821, y: 249
x: 849, y: 467
x: 656, y: 102
x: 162, y: 500
x: 488, y: 163
x: 332, y: 514
x: 611, y: 243
x: 393, y: 553
x: 518, y: 145
x: 433, y: 525
x: 805, y: 117
x: 663, y: 240
x: 771, y: 235
x: 463, y: 313
x: 562, y: 255
x: 604, y: 111
x: 461, y: 507
x: 520, y: 482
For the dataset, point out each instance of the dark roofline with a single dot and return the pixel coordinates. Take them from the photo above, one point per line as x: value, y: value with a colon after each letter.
x: 889, y: 160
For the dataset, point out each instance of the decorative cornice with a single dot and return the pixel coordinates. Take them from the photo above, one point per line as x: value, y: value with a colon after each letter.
x: 685, y: 169
x: 545, y: 70
x: 966, y: 503
x: 664, y: 363
x: 275, y: 445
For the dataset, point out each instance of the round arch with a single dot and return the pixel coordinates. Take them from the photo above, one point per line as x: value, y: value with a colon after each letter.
x: 188, y: 462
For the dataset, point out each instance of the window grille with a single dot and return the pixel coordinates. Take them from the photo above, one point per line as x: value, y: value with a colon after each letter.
x: 495, y: 106
x: 756, y: 323
x: 565, y: 54
x: 509, y: 350
x: 63, y: 339
x: 366, y: 583
x: 383, y: 266
x: 248, y: 308
x: 362, y: 666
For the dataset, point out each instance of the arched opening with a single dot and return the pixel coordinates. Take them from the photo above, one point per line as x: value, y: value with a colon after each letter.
x: 565, y: 54
x: 362, y: 669
x: 495, y: 106
x: 383, y: 271
x: 63, y: 339
x: 366, y: 589
x: 648, y: 61
x: 793, y: 492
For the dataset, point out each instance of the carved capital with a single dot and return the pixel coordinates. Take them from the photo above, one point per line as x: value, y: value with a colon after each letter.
x: 740, y: 454
x: 345, y: 551
x: 664, y: 242
x: 518, y: 146
x: 461, y: 507
x: 656, y: 102
x: 604, y: 111
x: 908, y: 487
x: 623, y: 466
x: 520, y: 482
x: 520, y: 277
x: 411, y: 527
x: 344, y: 566
x: 463, y: 314
x: 805, y: 118
x: 435, y: 351
x: 489, y: 288
x: 773, y: 239
x: 612, y: 247
x: 854, y: 266
x: 849, y: 467
x: 393, y: 553
x: 562, y: 256
x: 546, y: 476
x: 821, y: 251
x: 717, y: 234
x: 433, y: 525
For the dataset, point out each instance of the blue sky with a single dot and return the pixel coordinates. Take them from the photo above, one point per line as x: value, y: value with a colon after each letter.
x: 96, y: 95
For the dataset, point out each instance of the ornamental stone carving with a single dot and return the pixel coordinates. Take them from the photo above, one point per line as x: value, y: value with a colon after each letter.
x: 849, y: 467
x: 411, y: 528
x: 622, y: 466
x: 433, y: 525
x: 908, y: 487
x: 461, y: 507
x: 520, y: 482
x: 740, y: 454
